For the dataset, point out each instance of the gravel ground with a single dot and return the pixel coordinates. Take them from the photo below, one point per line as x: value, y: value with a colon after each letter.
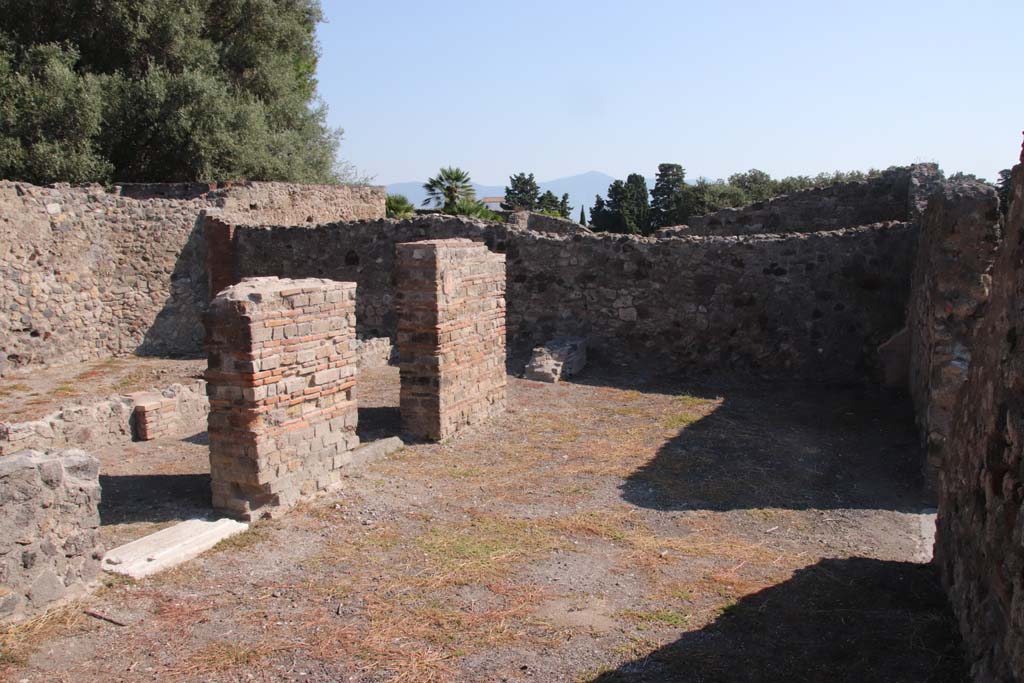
x: 611, y: 529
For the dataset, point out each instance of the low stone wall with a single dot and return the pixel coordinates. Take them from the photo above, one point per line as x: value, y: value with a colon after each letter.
x: 539, y: 222
x: 375, y: 353
x: 90, y: 273
x: 451, y: 335
x: 892, y: 196
x: 960, y: 234
x: 49, y: 529
x: 106, y: 422
x: 281, y: 380
x: 980, y: 542
x: 814, y: 305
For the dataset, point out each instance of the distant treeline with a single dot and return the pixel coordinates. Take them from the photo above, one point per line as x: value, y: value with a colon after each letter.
x: 629, y: 208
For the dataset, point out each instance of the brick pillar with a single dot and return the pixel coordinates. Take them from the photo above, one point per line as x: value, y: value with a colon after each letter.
x: 220, y: 251
x: 281, y: 380
x: 451, y: 335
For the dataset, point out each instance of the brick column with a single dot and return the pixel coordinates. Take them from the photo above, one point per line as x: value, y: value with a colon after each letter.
x: 220, y: 251
x: 281, y: 380
x: 451, y: 335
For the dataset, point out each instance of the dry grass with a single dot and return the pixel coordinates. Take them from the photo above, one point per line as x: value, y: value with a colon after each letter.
x: 220, y: 657
x: 18, y: 641
x: 11, y: 389
x: 660, y: 617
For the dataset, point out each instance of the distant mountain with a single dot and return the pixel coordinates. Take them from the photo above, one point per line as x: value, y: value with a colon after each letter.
x: 581, y: 189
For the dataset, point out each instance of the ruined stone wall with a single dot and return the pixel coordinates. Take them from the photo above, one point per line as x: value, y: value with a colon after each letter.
x: 281, y: 380
x: 451, y: 335
x: 106, y: 422
x: 88, y: 273
x: 49, y: 529
x: 959, y: 236
x: 888, y: 197
x: 815, y: 304
x: 980, y: 542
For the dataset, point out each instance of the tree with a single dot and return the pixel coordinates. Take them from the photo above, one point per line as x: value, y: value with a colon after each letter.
x: 473, y: 208
x: 564, y: 208
x: 671, y: 199
x: 601, y: 217
x: 632, y: 204
x: 583, y: 216
x: 450, y: 185
x: 549, y: 204
x: 154, y: 91
x: 521, y: 194
x: 399, y: 206
x: 49, y: 118
x: 626, y: 210
x: 713, y: 195
x: 756, y: 185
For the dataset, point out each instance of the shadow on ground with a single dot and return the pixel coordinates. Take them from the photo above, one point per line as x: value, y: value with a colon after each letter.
x: 378, y: 423
x: 775, y: 444
x: 153, y: 497
x: 838, y: 620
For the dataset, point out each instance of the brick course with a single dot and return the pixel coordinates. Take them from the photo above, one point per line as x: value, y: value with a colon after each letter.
x: 281, y: 381
x: 451, y: 335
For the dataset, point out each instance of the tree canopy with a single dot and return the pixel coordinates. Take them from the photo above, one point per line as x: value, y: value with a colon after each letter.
x: 450, y: 186
x: 522, y: 193
x: 673, y: 200
x: 147, y: 90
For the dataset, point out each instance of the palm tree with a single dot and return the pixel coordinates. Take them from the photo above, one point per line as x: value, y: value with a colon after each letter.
x: 448, y: 187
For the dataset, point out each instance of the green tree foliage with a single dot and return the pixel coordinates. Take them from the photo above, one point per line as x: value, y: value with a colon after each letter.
x: 473, y: 208
x: 583, y: 216
x: 564, y: 208
x: 50, y: 118
x: 756, y: 185
x: 522, y: 193
x: 448, y: 187
x: 399, y: 206
x: 627, y: 209
x: 152, y: 91
x: 601, y: 217
x: 671, y: 199
x: 548, y: 203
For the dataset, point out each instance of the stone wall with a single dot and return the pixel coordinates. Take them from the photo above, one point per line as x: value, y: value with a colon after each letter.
x: 451, y: 335
x: 959, y: 236
x: 89, y: 273
x: 892, y: 196
x: 281, y: 381
x: 106, y: 422
x: 815, y: 305
x: 980, y: 543
x: 49, y: 529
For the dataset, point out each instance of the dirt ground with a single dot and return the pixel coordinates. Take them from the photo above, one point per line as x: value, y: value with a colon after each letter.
x: 607, y: 530
x: 31, y: 393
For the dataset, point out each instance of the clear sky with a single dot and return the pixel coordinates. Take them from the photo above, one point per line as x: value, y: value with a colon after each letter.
x: 562, y: 87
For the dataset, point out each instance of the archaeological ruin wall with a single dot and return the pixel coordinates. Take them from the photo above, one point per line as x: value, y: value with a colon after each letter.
x: 281, y: 380
x: 897, y: 194
x: 451, y: 335
x: 959, y: 237
x: 810, y: 304
x: 49, y: 529
x: 980, y: 537
x: 88, y: 272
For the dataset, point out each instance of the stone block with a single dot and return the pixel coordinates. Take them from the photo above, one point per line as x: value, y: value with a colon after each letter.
x: 559, y: 358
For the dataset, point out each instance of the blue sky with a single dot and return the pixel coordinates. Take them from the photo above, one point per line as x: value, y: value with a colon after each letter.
x: 560, y: 88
